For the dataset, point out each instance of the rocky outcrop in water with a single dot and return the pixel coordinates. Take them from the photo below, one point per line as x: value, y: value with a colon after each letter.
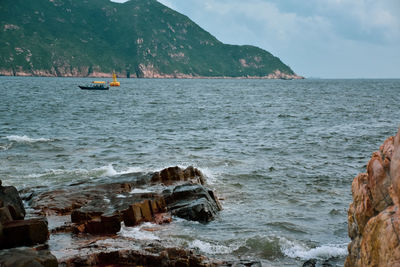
x: 374, y: 215
x: 93, y: 214
x: 20, y: 257
x: 17, y: 232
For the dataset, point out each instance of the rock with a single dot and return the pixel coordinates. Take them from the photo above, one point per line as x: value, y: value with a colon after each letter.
x: 25, y: 233
x: 155, y: 255
x: 21, y: 257
x: 144, y: 211
x: 193, y: 202
x: 310, y: 263
x: 373, y: 217
x: 172, y: 175
x: 5, y: 215
x: 106, y: 225
x: 380, y: 242
x: 9, y: 198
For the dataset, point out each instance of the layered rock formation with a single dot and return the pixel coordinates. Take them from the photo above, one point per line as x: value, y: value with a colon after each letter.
x: 94, y: 214
x: 374, y: 215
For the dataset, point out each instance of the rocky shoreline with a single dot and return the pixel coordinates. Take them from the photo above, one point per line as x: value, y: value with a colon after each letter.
x: 374, y: 215
x: 152, y: 74
x: 91, y: 215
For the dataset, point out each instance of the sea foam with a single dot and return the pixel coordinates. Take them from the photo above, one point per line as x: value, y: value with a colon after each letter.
x: 295, y: 250
x: 211, y: 248
x: 26, y: 139
x: 137, y: 232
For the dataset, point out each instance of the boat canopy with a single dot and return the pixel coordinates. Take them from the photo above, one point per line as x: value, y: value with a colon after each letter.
x: 98, y: 82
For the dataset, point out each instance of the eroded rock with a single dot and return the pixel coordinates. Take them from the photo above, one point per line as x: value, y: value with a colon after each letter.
x: 9, y: 198
x: 193, y: 202
x: 373, y: 217
x: 21, y: 257
x: 25, y: 233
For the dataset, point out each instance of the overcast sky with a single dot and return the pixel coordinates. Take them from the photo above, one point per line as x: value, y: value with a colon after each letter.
x: 316, y: 38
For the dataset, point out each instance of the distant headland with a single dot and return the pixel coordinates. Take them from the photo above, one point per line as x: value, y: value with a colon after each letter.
x: 141, y: 39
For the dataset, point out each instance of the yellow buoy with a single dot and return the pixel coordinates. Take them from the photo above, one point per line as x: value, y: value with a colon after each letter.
x: 114, y: 82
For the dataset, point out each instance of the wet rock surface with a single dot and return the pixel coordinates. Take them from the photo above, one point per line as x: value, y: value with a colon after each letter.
x: 373, y: 217
x: 10, y: 199
x: 93, y: 214
x: 21, y: 257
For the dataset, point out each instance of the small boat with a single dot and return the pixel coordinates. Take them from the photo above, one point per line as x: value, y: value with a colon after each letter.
x: 114, y: 82
x: 95, y: 85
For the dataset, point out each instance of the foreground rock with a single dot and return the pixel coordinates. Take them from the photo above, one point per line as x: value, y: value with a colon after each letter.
x: 9, y: 198
x: 374, y: 215
x: 14, y: 230
x: 193, y: 202
x: 99, y: 209
x: 20, y: 257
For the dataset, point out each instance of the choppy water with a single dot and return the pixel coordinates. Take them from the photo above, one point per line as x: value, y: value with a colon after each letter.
x: 282, y: 154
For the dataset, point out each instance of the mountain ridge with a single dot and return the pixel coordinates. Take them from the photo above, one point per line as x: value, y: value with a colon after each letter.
x: 138, y: 38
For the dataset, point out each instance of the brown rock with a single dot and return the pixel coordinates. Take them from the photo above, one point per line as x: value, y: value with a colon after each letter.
x: 106, y: 225
x: 10, y: 198
x: 395, y: 170
x: 22, y: 257
x: 373, y: 217
x: 133, y: 215
x: 25, y: 232
x: 5, y: 215
x: 78, y: 216
x: 380, y: 242
x: 175, y: 174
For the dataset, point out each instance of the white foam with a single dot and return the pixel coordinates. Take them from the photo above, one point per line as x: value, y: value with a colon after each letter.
x: 139, y: 191
x: 210, y: 248
x: 110, y: 171
x: 5, y: 147
x: 296, y: 250
x: 121, y: 196
x: 26, y: 139
x: 137, y: 232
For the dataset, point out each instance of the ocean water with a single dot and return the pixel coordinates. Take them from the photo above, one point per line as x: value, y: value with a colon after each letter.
x: 281, y: 154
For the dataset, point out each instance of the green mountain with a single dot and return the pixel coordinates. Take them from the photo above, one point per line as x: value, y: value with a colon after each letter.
x: 140, y: 38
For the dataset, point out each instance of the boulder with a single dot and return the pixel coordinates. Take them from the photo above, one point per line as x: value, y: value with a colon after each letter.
x: 380, y: 242
x: 21, y: 257
x: 5, y: 215
x: 175, y: 174
x: 193, y: 202
x: 144, y: 211
x: 25, y: 233
x: 106, y: 225
x: 9, y: 198
x: 373, y: 217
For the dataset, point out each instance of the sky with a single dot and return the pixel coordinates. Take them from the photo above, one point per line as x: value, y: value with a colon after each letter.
x: 316, y: 38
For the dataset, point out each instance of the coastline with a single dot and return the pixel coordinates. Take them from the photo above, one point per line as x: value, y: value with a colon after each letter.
x: 277, y: 75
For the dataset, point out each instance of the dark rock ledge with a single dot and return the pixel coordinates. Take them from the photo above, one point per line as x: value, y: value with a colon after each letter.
x: 96, y: 211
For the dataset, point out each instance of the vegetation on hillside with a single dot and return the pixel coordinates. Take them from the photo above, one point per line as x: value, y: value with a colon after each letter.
x: 140, y: 38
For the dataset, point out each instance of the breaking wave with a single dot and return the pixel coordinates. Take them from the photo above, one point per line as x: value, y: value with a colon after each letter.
x: 26, y: 139
x: 296, y: 250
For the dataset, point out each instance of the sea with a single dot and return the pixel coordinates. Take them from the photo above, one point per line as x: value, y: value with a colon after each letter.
x: 280, y: 154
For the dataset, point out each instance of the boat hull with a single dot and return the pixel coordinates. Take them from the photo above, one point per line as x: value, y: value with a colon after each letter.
x: 93, y: 88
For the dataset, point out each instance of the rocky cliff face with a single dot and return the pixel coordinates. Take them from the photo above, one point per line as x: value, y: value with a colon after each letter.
x: 374, y: 215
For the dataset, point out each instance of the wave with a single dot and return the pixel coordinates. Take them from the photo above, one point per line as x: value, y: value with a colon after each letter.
x: 26, y: 139
x: 5, y: 147
x: 138, y: 232
x: 211, y: 248
x: 110, y: 171
x: 296, y: 250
